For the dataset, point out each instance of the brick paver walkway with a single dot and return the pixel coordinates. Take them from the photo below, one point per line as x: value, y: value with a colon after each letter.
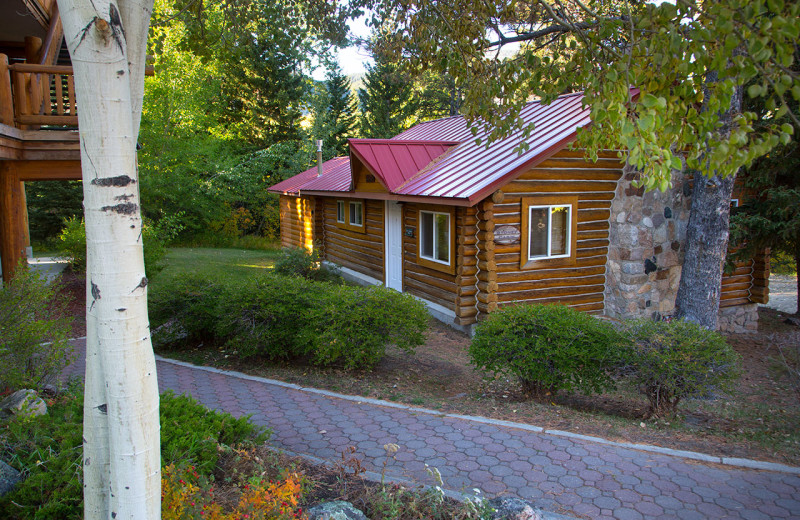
x: 557, y: 473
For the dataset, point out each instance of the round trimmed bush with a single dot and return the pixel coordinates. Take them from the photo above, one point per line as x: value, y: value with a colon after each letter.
x: 548, y: 348
x: 669, y: 361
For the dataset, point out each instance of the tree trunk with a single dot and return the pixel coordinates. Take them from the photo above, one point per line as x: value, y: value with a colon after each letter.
x: 107, y: 43
x: 707, y: 238
x: 706, y: 248
x: 797, y: 273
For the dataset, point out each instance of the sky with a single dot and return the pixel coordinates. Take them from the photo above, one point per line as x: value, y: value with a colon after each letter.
x: 353, y: 59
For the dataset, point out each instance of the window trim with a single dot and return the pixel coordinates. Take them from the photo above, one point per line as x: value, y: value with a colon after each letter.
x: 348, y: 204
x: 431, y: 262
x: 528, y: 203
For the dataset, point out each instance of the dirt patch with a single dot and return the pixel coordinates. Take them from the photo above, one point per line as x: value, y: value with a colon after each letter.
x: 73, y: 289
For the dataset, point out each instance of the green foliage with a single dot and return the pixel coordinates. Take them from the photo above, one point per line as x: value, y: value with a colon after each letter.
x: 604, y: 48
x: 183, y: 308
x: 288, y: 317
x: 334, y: 113
x: 190, y: 432
x: 50, y: 203
x: 548, y: 348
x: 387, y: 102
x: 269, y: 316
x: 47, y: 451
x: 72, y: 242
x: 669, y: 361
x: 353, y: 325
x: 34, y: 332
x: 295, y: 261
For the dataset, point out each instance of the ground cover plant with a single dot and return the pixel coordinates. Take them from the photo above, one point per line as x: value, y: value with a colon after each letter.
x: 34, y: 331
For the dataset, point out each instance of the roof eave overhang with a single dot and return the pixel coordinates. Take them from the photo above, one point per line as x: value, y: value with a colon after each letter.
x: 355, y: 154
x: 422, y: 199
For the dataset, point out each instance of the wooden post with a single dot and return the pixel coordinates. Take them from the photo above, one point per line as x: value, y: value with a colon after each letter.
x: 26, y: 225
x: 11, y: 234
x: 33, y: 82
x: 6, y: 100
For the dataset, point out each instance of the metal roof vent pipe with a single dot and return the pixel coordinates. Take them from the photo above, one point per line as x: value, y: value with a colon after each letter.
x: 319, y: 157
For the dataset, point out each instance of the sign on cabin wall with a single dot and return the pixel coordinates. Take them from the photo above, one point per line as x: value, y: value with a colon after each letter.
x: 506, y: 235
x: 409, y: 231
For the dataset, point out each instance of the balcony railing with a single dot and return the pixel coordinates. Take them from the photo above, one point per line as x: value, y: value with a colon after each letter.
x: 43, y: 95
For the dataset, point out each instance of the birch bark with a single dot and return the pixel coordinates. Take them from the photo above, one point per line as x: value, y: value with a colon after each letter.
x: 107, y: 42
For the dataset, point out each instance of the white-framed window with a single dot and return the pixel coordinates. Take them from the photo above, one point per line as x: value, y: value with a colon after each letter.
x: 434, y: 236
x: 340, y: 211
x: 356, y: 213
x: 550, y: 231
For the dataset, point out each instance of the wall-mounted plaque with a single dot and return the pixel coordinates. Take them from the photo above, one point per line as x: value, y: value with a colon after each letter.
x: 409, y: 231
x: 506, y: 235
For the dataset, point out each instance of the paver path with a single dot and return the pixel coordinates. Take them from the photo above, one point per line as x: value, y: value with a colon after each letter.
x: 558, y: 473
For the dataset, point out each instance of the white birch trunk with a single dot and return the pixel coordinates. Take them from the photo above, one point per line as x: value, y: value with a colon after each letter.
x: 107, y: 42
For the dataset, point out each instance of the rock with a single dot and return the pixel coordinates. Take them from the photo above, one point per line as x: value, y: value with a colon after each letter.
x: 9, y: 477
x: 23, y: 403
x: 513, y: 508
x: 336, y: 510
x: 791, y: 320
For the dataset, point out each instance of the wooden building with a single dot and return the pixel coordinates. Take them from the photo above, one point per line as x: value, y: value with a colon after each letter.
x: 469, y: 228
x: 38, y: 118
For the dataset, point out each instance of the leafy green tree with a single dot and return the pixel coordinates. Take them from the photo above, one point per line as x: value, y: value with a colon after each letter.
x: 438, y: 96
x: 770, y: 214
x: 689, y: 61
x: 387, y: 101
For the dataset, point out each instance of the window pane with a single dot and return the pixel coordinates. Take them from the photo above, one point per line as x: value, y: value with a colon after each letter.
x: 443, y: 237
x: 356, y: 216
x: 538, y: 232
x: 340, y: 211
x: 426, y: 234
x: 560, y: 232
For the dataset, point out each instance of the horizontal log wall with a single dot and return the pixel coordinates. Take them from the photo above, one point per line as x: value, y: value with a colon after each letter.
x: 429, y: 284
x: 580, y: 285
x: 361, y: 252
x: 297, y: 222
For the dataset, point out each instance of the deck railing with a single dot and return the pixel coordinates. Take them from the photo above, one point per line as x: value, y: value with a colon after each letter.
x: 37, y: 95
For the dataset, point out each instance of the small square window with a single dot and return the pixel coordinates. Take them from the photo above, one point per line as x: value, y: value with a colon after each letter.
x: 357, y: 214
x: 549, y: 230
x: 434, y: 236
x: 340, y: 211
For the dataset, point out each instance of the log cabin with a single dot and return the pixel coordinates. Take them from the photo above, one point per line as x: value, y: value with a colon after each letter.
x: 468, y: 228
x: 38, y: 118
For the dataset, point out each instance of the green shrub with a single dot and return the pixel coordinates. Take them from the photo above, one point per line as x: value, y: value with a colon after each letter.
x: 34, y: 331
x: 669, y: 361
x: 269, y: 316
x: 72, y: 243
x: 190, y: 432
x: 47, y: 450
x: 296, y: 261
x: 355, y: 324
x: 548, y: 348
x: 184, y: 308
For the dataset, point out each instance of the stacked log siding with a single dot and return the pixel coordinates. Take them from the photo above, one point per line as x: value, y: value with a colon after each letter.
x: 297, y: 222
x: 581, y: 285
x: 429, y: 284
x: 361, y: 252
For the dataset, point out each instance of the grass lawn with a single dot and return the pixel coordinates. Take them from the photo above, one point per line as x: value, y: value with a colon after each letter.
x: 235, y: 263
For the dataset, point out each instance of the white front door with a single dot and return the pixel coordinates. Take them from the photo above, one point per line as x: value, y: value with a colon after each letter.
x: 394, y: 246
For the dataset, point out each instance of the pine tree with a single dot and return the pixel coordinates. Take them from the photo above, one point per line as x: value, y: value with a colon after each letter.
x: 387, y: 102
x: 341, y: 111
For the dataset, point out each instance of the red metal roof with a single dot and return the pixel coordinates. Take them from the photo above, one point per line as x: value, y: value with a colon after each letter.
x: 396, y: 161
x: 335, y: 177
x: 467, y: 172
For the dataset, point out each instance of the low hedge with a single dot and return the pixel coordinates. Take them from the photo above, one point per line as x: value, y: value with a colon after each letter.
x: 671, y: 360
x: 548, y: 348
x: 288, y: 317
